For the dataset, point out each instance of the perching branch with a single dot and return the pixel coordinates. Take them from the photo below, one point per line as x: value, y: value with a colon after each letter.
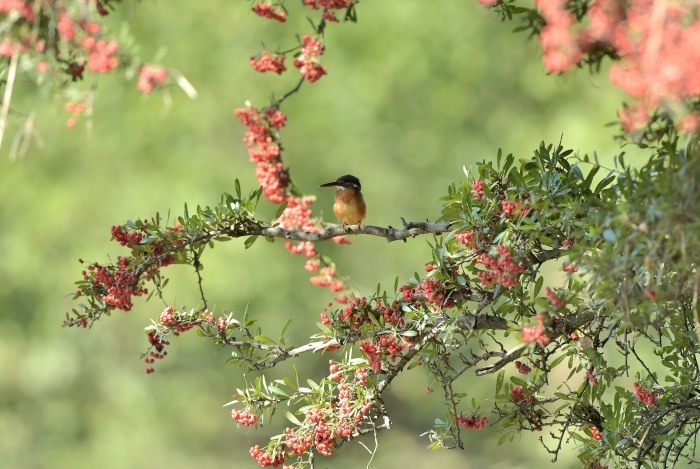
x: 409, y: 230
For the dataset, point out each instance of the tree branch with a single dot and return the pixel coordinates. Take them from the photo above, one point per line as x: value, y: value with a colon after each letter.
x: 410, y: 229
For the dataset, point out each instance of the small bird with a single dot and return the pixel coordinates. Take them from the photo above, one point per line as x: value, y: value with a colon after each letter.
x: 349, y: 206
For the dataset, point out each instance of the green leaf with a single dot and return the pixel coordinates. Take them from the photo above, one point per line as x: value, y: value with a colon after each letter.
x: 518, y: 381
x: 277, y: 391
x: 538, y: 285
x: 607, y: 180
x: 312, y: 384
x: 499, y: 381
x: 250, y: 241
x: 292, y: 418
x: 238, y: 189
x: 263, y: 339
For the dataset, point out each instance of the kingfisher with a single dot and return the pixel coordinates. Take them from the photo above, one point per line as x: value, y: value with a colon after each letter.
x: 349, y: 206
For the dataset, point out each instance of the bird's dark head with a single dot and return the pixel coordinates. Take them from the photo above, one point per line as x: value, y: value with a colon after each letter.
x: 348, y: 182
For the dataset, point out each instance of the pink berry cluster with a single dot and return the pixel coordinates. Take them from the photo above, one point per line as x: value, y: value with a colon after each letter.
x: 24, y: 8
x: 653, y: 43
x: 158, y: 353
x: 101, y: 54
x: 658, y: 42
x: 384, y: 348
x: 327, y: 278
x: 559, y: 46
x: 75, y: 110
x: 478, y: 189
x: 591, y: 378
x: 150, y: 78
x: 298, y: 216
x: 117, y: 285
x: 465, y: 237
x: 126, y: 238
x: 264, y: 150
x: 644, y: 396
x: 268, y: 63
x: 266, y: 459
x: 511, y: 208
x: 324, y: 426
x: 554, y: 299
x: 471, y: 422
x: 567, y: 267
x: 434, y: 293
x: 538, y: 334
x: 308, y: 60
x: 596, y: 433
x: 520, y: 396
x: 522, y: 368
x: 244, y: 418
x: 298, y: 443
x: 131, y: 237
x: 267, y: 10
x: 177, y: 323
x: 329, y: 7
x: 357, y: 313
x: 500, y: 267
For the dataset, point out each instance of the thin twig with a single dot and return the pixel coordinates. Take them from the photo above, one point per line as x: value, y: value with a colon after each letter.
x: 9, y: 86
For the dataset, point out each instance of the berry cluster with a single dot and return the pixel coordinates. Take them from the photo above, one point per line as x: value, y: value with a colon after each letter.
x: 357, y: 313
x: 268, y: 63
x: 150, y: 78
x: 159, y: 353
x: 126, y: 238
x: 654, y: 44
x: 518, y: 395
x: 266, y: 459
x: 118, y: 283
x: 472, y: 422
x: 478, y: 189
x: 327, y: 278
x: 268, y: 11
x: 177, y: 322
x: 522, y: 367
x: 559, y: 46
x: 101, y: 54
x: 74, y: 109
x: 297, y: 443
x: 554, y: 299
x: 383, y: 348
x: 465, y: 237
x: 243, y: 417
x: 591, y: 378
x: 297, y: 216
x: 512, y: 208
x: 329, y: 7
x: 596, y: 433
x: 434, y: 293
x: 500, y: 268
x: 308, y: 60
x: 537, y: 334
x: 644, y: 396
x: 264, y: 149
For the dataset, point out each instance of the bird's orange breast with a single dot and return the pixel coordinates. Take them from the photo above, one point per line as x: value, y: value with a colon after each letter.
x: 349, y: 206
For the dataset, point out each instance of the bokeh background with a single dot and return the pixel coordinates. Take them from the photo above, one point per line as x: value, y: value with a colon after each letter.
x: 415, y: 91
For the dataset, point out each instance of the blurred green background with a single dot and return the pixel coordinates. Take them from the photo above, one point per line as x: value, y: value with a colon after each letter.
x: 415, y: 91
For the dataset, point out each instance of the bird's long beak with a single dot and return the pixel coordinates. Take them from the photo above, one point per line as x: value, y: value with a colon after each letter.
x: 329, y: 184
